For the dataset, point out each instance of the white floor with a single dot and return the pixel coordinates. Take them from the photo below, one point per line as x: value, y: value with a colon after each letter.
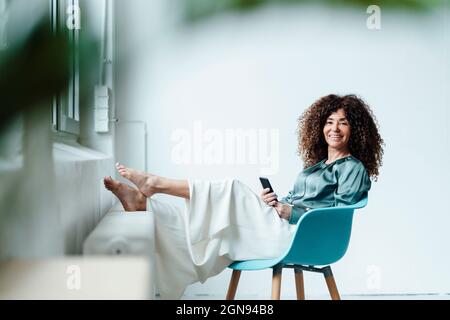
x: 429, y: 296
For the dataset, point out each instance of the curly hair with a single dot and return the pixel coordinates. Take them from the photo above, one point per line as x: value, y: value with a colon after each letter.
x: 365, y: 142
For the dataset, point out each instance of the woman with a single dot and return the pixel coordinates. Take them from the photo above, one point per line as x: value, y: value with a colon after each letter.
x: 225, y: 221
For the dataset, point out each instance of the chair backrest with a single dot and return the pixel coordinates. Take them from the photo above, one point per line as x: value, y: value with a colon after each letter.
x: 322, y: 235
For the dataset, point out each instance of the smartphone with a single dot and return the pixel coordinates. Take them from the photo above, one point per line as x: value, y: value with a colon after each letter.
x: 265, y: 183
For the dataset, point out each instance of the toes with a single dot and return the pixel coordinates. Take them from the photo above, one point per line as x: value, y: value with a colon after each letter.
x: 120, y: 166
x: 122, y: 172
x: 110, y: 183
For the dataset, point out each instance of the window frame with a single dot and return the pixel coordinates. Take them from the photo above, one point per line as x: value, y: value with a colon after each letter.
x: 3, y: 24
x: 66, y: 104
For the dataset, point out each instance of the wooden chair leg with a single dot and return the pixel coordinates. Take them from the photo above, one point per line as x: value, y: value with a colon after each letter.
x: 299, y: 285
x: 331, y: 284
x: 234, y: 281
x: 276, y: 283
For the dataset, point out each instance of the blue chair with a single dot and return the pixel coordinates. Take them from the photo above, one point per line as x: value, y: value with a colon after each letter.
x: 321, y: 238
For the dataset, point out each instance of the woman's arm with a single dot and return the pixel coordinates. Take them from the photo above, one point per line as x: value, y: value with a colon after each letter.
x: 353, y: 184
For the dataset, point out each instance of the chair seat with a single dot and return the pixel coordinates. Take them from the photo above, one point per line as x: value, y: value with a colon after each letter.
x: 257, y: 264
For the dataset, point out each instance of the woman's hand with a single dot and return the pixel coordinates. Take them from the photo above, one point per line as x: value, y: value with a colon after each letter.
x: 284, y: 210
x: 270, y: 198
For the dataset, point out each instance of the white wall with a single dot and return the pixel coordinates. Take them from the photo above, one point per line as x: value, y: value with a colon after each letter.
x: 260, y: 71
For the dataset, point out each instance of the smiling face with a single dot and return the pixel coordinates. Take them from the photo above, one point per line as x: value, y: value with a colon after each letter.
x: 337, y: 131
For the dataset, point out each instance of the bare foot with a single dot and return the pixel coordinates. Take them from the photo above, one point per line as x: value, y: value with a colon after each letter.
x: 131, y: 199
x: 147, y: 183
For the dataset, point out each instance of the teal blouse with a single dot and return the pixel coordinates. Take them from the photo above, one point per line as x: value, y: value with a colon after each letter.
x: 342, y: 182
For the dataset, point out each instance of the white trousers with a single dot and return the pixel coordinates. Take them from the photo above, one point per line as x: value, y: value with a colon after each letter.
x: 224, y: 221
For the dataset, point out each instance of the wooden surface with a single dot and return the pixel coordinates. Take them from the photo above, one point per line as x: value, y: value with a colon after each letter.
x: 276, y: 283
x: 234, y: 281
x: 299, y: 285
x: 332, y: 288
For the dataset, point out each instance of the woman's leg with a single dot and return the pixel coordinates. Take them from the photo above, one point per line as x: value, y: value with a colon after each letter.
x: 149, y: 184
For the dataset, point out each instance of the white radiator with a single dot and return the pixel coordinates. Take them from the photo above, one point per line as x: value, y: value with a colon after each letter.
x: 122, y: 233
